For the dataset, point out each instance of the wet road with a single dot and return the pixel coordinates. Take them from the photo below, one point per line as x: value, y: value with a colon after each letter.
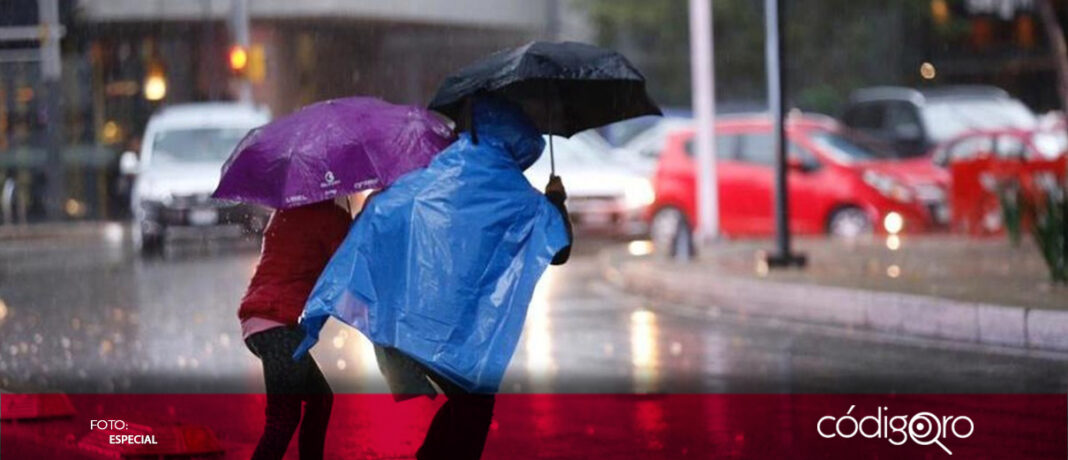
x: 84, y: 313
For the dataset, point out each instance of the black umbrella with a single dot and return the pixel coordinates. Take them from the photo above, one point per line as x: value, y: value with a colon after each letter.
x: 564, y: 87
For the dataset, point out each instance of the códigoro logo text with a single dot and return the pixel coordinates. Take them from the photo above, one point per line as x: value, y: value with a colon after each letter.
x: 922, y: 428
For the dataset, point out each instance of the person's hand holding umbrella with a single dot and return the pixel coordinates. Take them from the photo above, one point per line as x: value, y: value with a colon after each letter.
x: 555, y: 191
x: 557, y: 195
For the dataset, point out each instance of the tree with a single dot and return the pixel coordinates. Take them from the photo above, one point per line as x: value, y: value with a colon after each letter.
x: 832, y: 46
x: 1057, y: 46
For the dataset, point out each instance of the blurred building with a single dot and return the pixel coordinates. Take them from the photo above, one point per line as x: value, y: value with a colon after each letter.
x: 124, y: 59
x: 300, y: 51
x: 997, y: 42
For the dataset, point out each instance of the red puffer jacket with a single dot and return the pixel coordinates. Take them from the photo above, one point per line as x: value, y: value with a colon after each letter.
x: 297, y: 244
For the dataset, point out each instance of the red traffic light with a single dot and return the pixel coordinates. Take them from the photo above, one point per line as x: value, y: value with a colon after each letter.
x: 238, y: 58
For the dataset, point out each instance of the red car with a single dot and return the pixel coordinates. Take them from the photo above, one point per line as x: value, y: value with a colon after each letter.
x: 979, y: 160
x: 839, y: 185
x: 1006, y: 143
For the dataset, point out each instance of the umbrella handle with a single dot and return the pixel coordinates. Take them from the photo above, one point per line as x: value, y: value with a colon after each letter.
x: 552, y: 158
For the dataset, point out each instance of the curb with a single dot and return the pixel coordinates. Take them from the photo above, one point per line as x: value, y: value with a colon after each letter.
x: 898, y: 313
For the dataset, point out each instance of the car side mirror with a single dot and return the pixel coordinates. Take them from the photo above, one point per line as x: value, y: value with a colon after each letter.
x: 129, y: 164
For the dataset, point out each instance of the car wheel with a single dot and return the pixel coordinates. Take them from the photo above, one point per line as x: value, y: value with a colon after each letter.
x: 671, y: 234
x: 849, y: 222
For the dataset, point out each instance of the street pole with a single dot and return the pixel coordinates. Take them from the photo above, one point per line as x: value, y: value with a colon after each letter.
x: 51, y: 73
x: 702, y: 72
x: 239, y: 25
x: 783, y: 257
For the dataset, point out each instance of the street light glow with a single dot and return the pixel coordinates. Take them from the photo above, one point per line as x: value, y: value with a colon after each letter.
x: 927, y: 71
x: 155, y: 87
x: 640, y: 247
x: 238, y: 58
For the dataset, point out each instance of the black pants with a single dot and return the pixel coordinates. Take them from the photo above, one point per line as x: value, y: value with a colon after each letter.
x: 291, y: 384
x: 460, y: 426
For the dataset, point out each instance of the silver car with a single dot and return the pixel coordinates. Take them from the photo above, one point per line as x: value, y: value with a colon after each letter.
x: 605, y: 195
x: 182, y: 153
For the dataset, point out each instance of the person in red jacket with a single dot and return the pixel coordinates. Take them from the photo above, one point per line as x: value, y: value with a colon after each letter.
x: 297, y: 244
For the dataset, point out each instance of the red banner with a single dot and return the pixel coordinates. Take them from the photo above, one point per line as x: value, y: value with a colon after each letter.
x: 557, y: 426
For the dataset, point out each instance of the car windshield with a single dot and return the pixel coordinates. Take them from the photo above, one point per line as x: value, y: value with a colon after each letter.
x: 949, y: 119
x: 847, y: 148
x: 196, y: 145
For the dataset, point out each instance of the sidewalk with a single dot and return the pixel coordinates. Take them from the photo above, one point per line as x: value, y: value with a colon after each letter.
x: 60, y: 230
x: 983, y: 291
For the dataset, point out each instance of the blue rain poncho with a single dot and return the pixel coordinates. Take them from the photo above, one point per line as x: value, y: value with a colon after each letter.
x: 442, y: 264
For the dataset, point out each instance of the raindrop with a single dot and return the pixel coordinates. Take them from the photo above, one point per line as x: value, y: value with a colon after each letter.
x: 341, y: 364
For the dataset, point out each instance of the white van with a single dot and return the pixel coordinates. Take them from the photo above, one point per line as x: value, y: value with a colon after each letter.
x: 182, y: 153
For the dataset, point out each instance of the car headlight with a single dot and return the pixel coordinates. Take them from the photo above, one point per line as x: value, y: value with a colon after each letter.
x: 887, y: 186
x: 150, y: 192
x: 893, y: 223
x: 639, y: 193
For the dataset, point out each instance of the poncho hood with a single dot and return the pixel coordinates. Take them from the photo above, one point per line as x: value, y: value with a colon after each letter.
x: 502, y: 124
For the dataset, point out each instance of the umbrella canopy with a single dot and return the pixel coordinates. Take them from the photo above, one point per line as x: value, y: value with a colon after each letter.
x: 329, y: 149
x: 564, y: 87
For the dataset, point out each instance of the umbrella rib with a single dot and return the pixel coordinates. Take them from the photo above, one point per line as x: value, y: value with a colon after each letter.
x: 363, y: 148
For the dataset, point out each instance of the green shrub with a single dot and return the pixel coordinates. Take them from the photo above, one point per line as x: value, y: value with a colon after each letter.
x: 1049, y: 212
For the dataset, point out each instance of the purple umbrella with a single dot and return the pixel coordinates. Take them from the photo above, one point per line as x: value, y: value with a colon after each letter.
x: 329, y: 149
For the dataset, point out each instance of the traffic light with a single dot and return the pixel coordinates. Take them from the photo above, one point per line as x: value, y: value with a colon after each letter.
x: 238, y: 60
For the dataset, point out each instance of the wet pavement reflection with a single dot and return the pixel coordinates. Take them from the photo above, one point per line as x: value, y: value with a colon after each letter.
x: 87, y: 314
